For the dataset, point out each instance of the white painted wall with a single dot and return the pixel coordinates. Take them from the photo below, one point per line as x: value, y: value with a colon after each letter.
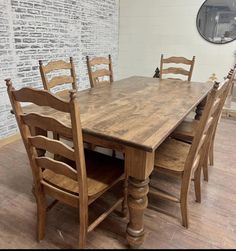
x: 151, y: 27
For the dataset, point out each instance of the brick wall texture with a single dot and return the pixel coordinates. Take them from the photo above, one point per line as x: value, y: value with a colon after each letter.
x: 49, y: 30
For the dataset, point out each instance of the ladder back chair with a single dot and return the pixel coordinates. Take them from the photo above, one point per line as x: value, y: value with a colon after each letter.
x: 177, y: 70
x: 57, y: 79
x: 178, y: 158
x: 51, y: 68
x: 186, y: 131
x: 77, y: 176
x: 96, y: 76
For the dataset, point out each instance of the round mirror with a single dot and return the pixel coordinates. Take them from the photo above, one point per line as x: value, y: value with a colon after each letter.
x: 216, y: 21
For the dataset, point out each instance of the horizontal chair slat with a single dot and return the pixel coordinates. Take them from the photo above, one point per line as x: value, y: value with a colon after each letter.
x: 101, y: 73
x: 177, y: 60
x: 173, y: 70
x: 57, y: 167
x: 208, y: 124
x: 41, y: 98
x: 63, y: 93
x: 216, y: 106
x: 99, y: 60
x: 196, y: 162
x: 56, y: 65
x: 52, y: 146
x: 46, y: 123
x: 224, y: 88
x: 202, y: 141
x: 59, y: 80
x: 104, y: 82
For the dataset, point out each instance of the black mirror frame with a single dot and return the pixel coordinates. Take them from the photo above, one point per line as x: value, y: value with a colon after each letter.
x: 203, y: 35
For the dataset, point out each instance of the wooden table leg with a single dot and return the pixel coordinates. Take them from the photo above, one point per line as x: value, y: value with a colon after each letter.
x: 137, y: 203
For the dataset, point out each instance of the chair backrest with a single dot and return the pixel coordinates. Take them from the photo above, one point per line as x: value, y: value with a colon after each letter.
x: 65, y: 153
x: 177, y: 70
x: 96, y: 75
x: 230, y: 77
x: 206, y: 125
x: 52, y: 69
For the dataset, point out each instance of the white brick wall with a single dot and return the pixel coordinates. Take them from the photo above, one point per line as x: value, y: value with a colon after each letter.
x: 51, y: 29
x: 151, y: 27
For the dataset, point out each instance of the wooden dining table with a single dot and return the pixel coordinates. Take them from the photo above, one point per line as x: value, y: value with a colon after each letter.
x: 134, y: 116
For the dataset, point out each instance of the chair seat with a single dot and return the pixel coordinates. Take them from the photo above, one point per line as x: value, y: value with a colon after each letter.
x: 102, y: 172
x: 171, y: 155
x: 186, y: 130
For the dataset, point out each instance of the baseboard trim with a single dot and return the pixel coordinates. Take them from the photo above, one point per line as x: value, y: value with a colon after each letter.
x: 9, y: 139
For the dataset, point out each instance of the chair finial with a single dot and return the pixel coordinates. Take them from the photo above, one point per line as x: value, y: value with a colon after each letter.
x: 230, y: 73
x: 216, y: 85
x: 9, y: 83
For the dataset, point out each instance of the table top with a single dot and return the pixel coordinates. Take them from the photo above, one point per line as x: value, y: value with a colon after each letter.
x: 137, y: 111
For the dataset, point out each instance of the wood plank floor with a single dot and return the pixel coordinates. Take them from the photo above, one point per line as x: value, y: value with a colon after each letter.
x: 212, y: 223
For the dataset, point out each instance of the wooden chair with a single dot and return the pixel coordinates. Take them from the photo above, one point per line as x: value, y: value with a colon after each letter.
x: 57, y: 79
x: 175, y: 157
x: 51, y: 68
x: 187, y: 129
x: 78, y: 176
x: 97, y: 76
x: 177, y: 70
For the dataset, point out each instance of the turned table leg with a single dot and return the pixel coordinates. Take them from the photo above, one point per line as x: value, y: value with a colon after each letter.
x: 137, y: 203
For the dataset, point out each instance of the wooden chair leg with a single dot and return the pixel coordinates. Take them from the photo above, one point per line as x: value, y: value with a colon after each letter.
x: 211, y: 153
x: 197, y: 184
x: 205, y: 168
x: 83, y: 230
x: 184, y: 213
x: 82, y: 238
x: 184, y: 204
x: 41, y: 216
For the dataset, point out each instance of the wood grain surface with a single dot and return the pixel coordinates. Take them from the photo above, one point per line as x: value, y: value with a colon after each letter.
x: 137, y: 111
